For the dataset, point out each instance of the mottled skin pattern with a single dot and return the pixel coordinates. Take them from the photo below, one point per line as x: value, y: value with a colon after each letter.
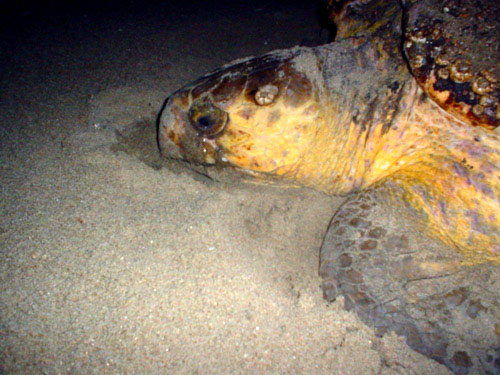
x: 352, y: 116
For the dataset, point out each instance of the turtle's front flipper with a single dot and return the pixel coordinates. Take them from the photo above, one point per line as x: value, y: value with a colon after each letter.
x: 397, y: 279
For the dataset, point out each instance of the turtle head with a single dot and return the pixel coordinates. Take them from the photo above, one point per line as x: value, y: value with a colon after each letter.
x: 258, y: 115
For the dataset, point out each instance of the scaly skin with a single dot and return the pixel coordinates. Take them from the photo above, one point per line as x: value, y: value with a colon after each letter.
x: 449, y: 171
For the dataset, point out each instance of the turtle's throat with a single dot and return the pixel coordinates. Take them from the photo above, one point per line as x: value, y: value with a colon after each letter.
x: 349, y: 155
x: 353, y: 152
x: 410, y: 142
x: 367, y: 93
x: 332, y: 163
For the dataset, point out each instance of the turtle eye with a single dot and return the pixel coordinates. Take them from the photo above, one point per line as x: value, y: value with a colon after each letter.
x: 206, y: 118
x: 205, y: 122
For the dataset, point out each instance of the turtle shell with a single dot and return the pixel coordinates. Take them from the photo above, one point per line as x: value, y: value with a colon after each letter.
x: 453, y: 50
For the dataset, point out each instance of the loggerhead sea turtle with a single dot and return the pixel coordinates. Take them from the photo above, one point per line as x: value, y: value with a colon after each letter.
x: 399, y: 114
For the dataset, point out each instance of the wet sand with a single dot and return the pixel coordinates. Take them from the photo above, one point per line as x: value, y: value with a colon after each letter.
x: 116, y: 262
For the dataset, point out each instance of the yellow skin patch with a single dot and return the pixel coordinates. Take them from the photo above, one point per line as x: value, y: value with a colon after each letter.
x: 456, y: 182
x: 447, y: 172
x: 271, y: 140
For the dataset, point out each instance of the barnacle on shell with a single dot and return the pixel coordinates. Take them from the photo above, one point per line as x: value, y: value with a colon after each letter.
x: 477, y: 109
x: 481, y: 86
x: 443, y: 73
x: 460, y: 71
x: 489, y: 76
x: 418, y: 61
x: 442, y: 59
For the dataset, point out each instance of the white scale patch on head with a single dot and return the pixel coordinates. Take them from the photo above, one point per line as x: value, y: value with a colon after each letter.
x: 265, y: 95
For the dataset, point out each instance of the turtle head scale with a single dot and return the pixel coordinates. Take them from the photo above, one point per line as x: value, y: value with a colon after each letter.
x: 258, y: 115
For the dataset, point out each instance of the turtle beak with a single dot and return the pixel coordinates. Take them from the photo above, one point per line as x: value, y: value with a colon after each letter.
x: 172, y: 126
